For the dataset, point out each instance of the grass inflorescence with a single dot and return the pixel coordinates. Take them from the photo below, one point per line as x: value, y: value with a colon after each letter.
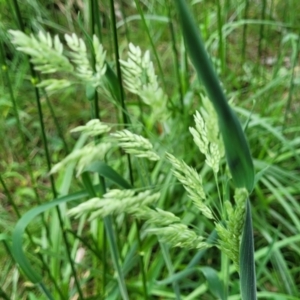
x: 150, y: 150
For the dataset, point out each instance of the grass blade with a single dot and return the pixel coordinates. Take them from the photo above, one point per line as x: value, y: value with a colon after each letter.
x: 215, y: 285
x: 106, y: 171
x: 236, y: 147
x: 247, y: 262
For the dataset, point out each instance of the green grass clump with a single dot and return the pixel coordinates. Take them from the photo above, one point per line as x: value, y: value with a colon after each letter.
x: 124, y: 176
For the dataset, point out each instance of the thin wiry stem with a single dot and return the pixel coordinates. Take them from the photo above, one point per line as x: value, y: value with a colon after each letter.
x: 60, y: 133
x: 119, y: 75
x: 176, y: 64
x: 244, y: 42
x: 221, y: 38
x: 95, y: 20
x: 95, y: 110
x: 166, y: 255
x: 261, y: 30
x: 292, y: 84
x: 126, y: 121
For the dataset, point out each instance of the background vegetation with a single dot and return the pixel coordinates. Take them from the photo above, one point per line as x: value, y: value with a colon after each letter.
x: 254, y: 46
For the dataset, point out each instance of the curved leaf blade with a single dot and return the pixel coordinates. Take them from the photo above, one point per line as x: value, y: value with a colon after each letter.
x: 106, y: 171
x: 215, y: 285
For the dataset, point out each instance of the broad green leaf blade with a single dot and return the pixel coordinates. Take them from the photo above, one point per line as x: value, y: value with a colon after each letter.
x: 215, y: 285
x: 106, y: 171
x: 112, y: 83
x: 247, y: 262
x: 237, y: 151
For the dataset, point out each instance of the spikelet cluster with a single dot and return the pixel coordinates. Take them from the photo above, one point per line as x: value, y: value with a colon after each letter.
x: 169, y: 229
x: 135, y: 144
x: 206, y: 135
x: 83, y: 157
x: 230, y: 232
x: 92, y: 128
x: 131, y: 143
x: 192, y: 182
x: 115, y: 202
x: 48, y: 57
x: 46, y: 52
x: 156, y: 217
x: 79, y: 57
x: 178, y: 235
x: 140, y: 79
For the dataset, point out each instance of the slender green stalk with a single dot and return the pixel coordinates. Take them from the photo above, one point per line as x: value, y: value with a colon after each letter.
x: 292, y: 84
x: 261, y: 30
x: 95, y: 109
x: 126, y: 121
x: 244, y: 40
x: 176, y: 63
x: 72, y: 264
x: 127, y: 31
x: 117, y: 60
x: 17, y: 14
x: 141, y: 259
x: 227, y: 6
x: 221, y: 38
x: 225, y: 273
x: 125, y: 116
x: 104, y: 255
x: 184, y: 65
x: 86, y: 243
x: 119, y: 75
x: 9, y: 197
x: 270, y: 16
x: 170, y: 268
x: 95, y: 20
x: 56, y: 122
x: 92, y: 12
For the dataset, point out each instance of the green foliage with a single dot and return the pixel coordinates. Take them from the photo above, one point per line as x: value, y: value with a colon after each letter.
x: 159, y: 213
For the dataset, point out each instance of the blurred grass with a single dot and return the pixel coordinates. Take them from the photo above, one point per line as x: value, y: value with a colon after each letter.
x: 274, y: 141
